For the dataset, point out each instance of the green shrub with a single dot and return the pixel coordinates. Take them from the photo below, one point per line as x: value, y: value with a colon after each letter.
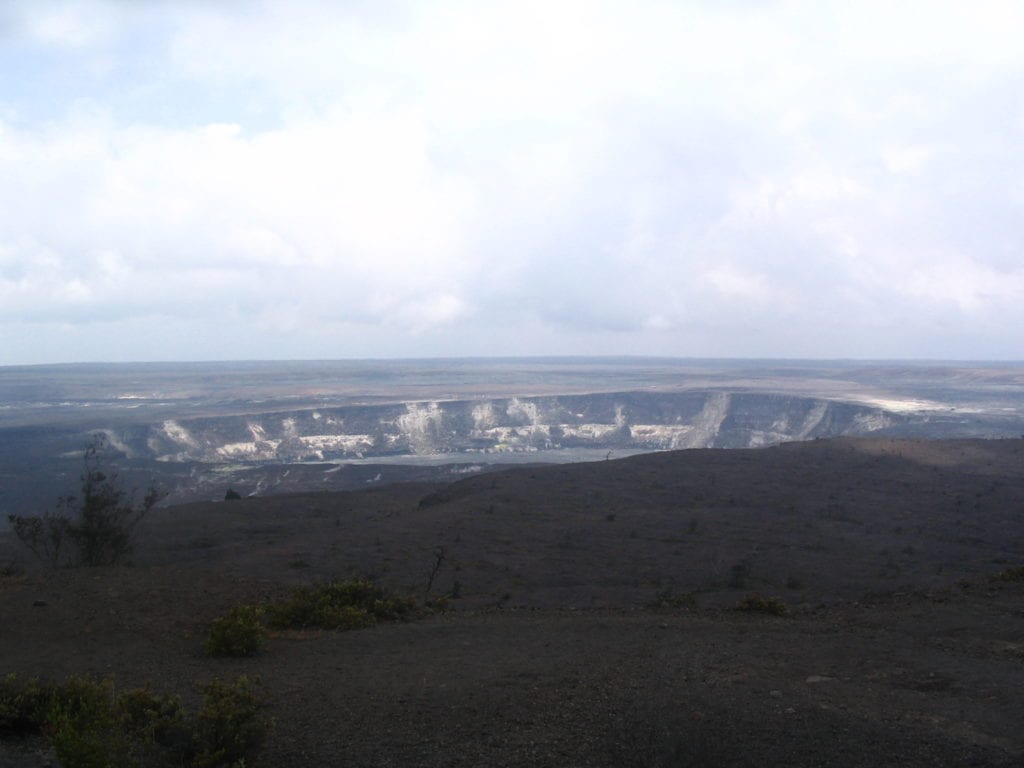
x: 83, y: 742
x: 237, y: 633
x: 759, y: 604
x: 23, y: 706
x: 66, y: 710
x: 229, y: 729
x: 156, y: 721
x: 351, y: 604
x: 89, y: 726
x: 82, y: 725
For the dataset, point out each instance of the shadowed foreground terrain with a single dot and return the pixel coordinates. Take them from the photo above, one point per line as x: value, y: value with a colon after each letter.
x: 593, y: 617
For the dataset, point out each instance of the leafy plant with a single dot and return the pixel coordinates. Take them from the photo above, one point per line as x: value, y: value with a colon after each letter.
x: 237, y: 633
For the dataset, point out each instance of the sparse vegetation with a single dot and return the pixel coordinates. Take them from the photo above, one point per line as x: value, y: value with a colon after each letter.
x: 439, y: 557
x: 340, y: 605
x: 776, y: 606
x: 1015, y: 573
x: 667, y: 599
x: 90, y: 726
x: 587, y: 637
x: 350, y: 604
x: 91, y: 530
x: 438, y: 603
x: 238, y: 633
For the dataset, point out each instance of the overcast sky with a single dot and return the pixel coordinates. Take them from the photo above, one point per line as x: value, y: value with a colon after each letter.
x: 237, y: 180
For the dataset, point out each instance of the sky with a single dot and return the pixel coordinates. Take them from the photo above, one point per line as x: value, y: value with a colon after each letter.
x: 231, y: 180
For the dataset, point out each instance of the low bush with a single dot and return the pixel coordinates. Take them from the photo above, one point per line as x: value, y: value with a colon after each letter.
x: 776, y: 606
x: 229, y: 729
x: 88, y: 726
x: 156, y: 720
x: 23, y: 706
x: 237, y: 633
x: 82, y: 725
x: 350, y: 604
x: 79, y: 717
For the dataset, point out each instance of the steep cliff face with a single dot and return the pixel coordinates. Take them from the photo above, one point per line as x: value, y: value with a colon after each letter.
x: 635, y: 420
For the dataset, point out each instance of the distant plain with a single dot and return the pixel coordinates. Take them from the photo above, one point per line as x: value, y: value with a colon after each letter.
x: 269, y: 427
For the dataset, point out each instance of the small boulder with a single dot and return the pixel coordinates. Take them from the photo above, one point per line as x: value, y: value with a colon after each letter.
x: 812, y: 679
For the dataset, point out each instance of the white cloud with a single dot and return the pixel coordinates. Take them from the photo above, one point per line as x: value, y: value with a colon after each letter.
x: 971, y: 287
x: 654, y: 177
x: 70, y: 24
x: 730, y: 281
x: 908, y: 159
x: 334, y: 208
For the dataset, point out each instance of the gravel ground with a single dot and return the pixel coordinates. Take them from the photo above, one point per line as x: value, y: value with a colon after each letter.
x: 552, y: 655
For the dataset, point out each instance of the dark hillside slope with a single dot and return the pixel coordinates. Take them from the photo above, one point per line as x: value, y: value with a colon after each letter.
x: 815, y: 521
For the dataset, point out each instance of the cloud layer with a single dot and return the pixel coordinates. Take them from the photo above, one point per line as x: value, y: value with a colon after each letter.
x: 236, y: 180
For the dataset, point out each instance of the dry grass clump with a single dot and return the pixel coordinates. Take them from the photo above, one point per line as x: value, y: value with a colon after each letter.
x: 1016, y: 573
x: 775, y: 606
